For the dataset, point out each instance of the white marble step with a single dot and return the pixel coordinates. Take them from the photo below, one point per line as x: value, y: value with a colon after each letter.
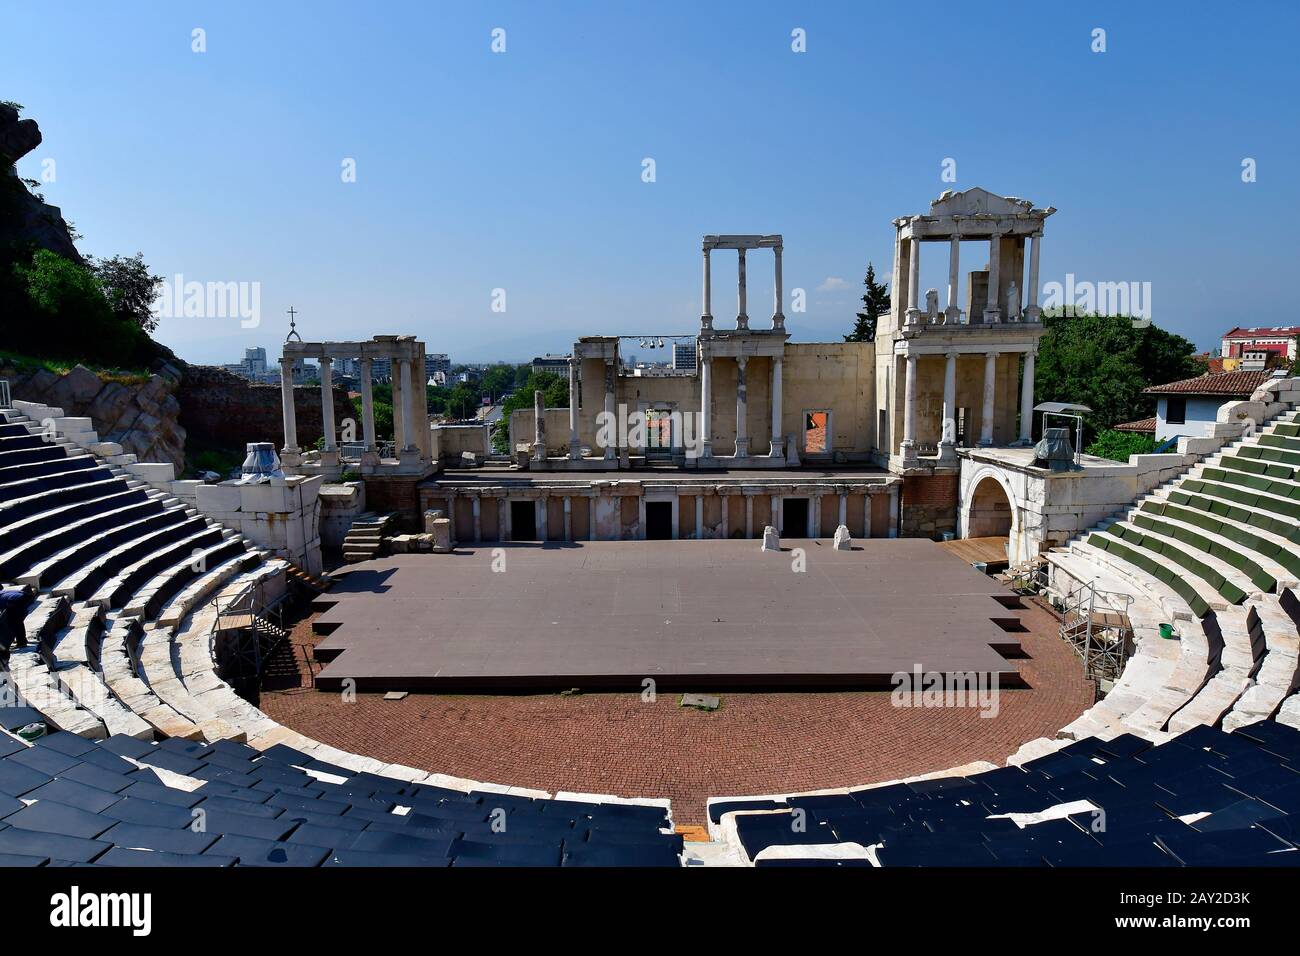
x: 134, y: 693
x: 1232, y: 680
x: 40, y: 689
x: 1289, y: 712
x: 79, y: 680
x: 88, y: 547
x: 1279, y: 673
x: 1284, y: 577
x: 1217, y: 489
x: 1145, y: 673
x: 1203, y: 587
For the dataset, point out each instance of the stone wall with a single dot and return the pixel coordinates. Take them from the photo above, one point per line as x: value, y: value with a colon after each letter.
x: 143, y: 417
x: 929, y: 505
x: 222, y: 410
x: 399, y: 495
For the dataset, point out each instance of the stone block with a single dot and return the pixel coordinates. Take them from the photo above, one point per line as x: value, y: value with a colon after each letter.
x: 221, y: 497
x: 843, y: 541
x: 771, y: 540
x: 264, y: 497
x: 157, y: 473
x: 441, y: 535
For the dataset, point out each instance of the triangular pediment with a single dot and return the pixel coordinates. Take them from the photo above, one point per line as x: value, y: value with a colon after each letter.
x: 977, y: 201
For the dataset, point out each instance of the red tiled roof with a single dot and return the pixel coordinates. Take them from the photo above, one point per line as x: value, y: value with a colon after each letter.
x: 1143, y: 425
x: 1263, y: 332
x: 1223, y: 383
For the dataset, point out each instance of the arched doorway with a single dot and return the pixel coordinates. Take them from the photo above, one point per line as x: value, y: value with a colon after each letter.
x: 989, y: 514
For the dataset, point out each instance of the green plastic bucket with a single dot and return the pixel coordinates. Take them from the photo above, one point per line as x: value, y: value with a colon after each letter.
x: 1167, y: 631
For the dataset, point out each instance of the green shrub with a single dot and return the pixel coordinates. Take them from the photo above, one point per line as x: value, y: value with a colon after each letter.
x: 1117, y: 445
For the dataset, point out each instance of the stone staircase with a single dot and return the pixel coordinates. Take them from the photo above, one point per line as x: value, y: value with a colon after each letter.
x: 365, y: 539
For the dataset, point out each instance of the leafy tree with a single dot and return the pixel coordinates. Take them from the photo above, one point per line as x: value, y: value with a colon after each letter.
x: 555, y: 392
x: 498, y: 380
x: 62, y: 312
x: 129, y: 287
x: 875, y: 303
x: 1117, y: 445
x: 1105, y: 362
x: 383, y: 417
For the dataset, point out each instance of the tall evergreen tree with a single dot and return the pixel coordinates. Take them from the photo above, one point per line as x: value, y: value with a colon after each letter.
x: 875, y: 303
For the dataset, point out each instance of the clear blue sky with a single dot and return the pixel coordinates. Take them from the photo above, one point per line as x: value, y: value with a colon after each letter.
x: 522, y: 170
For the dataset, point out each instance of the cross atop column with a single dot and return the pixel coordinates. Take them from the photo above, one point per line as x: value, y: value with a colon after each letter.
x: 293, y: 330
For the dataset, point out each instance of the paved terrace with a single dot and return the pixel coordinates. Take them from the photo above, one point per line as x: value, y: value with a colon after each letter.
x: 697, y: 615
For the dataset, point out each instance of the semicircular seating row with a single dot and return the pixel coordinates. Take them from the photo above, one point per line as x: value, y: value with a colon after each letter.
x: 1196, y: 749
x: 118, y: 656
x: 1215, y: 551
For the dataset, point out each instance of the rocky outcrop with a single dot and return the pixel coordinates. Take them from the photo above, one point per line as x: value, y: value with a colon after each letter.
x: 141, y: 416
x: 222, y: 410
x: 23, y: 217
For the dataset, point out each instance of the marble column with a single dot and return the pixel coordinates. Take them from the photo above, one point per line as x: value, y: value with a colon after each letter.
x: 726, y: 516
x: 290, y: 413
x: 611, y: 451
x: 706, y: 316
x: 952, y: 314
x: 991, y: 311
x: 503, y: 532
x: 1032, y: 311
x: 844, y: 509
x: 749, y: 515
x: 368, y: 405
x: 418, y: 406
x: 775, y: 518
x: 948, y: 425
x: 573, y: 409
x: 591, y: 518
x: 706, y: 398
x: 542, y: 518
x: 866, y: 515
x: 778, y: 444
x: 699, y: 516
x: 815, y: 516
x: 990, y: 389
x: 399, y: 405
x: 893, y: 511
x: 778, y: 317
x: 742, y: 431
x: 408, y: 420
x: 327, y: 404
x: 742, y: 317
x: 913, y: 280
x: 568, y: 518
x: 539, y: 425
x: 1027, y: 400
x: 476, y: 509
x: 908, y: 446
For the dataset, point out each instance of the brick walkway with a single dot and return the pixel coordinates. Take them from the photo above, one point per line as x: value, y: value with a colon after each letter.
x: 756, y: 743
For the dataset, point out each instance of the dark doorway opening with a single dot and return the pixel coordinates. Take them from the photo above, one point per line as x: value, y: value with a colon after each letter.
x: 523, y: 521
x: 794, y: 517
x: 659, y: 520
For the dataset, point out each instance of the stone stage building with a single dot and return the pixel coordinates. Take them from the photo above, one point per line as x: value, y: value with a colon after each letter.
x: 803, y: 436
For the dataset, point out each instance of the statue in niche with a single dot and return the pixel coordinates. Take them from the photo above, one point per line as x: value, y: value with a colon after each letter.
x: 932, y: 304
x: 1013, y: 302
